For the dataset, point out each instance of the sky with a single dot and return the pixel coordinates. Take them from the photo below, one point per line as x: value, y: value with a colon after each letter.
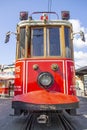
x: 9, y: 17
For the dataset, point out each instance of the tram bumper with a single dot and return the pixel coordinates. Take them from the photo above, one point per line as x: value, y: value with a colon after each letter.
x: 44, y: 101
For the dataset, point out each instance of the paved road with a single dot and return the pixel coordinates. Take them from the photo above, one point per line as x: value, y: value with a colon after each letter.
x: 81, y: 118
x: 17, y: 123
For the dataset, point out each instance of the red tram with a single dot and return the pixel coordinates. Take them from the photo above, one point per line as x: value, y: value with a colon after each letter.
x: 44, y: 68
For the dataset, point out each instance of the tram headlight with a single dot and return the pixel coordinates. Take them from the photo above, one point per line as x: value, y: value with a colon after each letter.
x: 23, y: 15
x: 65, y: 15
x: 45, y: 79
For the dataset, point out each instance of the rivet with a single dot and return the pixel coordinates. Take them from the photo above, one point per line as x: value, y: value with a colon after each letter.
x: 54, y: 67
x: 35, y: 67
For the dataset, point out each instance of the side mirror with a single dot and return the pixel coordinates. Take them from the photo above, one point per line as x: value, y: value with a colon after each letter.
x: 81, y: 33
x: 82, y: 36
x: 7, y: 37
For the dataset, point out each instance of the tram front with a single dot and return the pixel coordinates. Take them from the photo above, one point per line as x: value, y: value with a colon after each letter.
x: 44, y: 68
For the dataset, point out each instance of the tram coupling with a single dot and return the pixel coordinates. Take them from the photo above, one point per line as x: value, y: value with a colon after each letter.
x: 43, y: 119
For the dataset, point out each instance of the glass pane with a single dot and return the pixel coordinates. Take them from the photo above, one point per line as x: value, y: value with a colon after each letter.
x: 67, y: 42
x: 54, y: 41
x: 22, y: 43
x: 37, y: 42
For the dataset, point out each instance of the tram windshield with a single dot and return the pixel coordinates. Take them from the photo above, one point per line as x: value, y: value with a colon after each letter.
x: 37, y: 42
x: 53, y: 41
x: 50, y: 41
x: 45, y: 45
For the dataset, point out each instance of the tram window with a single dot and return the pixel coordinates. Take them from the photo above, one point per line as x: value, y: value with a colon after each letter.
x: 22, y: 43
x: 29, y: 45
x: 67, y: 42
x: 54, y: 42
x: 37, y: 42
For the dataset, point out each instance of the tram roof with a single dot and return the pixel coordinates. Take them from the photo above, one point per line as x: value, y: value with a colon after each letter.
x: 81, y: 71
x: 41, y: 22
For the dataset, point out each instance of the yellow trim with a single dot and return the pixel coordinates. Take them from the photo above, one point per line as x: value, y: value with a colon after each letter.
x: 17, y: 43
x: 45, y: 42
x: 62, y: 40
x: 26, y: 41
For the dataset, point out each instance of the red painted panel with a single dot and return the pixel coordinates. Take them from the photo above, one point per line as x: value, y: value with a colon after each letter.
x: 44, y: 66
x: 45, y: 97
x: 70, y: 77
x: 26, y: 76
x: 19, y: 77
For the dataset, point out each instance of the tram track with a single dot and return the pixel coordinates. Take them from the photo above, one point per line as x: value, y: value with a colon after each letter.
x: 56, y: 121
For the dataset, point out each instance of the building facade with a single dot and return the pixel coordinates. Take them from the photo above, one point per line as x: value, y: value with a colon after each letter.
x: 7, y: 80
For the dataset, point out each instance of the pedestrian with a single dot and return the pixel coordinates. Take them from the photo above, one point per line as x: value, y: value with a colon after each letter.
x: 9, y: 87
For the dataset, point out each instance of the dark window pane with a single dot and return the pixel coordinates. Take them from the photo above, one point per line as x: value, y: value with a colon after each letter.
x: 54, y: 41
x: 37, y: 42
x: 67, y: 42
x: 22, y: 43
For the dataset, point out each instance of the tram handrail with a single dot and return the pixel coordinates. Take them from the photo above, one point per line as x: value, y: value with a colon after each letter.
x: 47, y: 12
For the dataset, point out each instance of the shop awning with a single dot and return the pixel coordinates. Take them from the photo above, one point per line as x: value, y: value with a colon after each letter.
x: 81, y: 71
